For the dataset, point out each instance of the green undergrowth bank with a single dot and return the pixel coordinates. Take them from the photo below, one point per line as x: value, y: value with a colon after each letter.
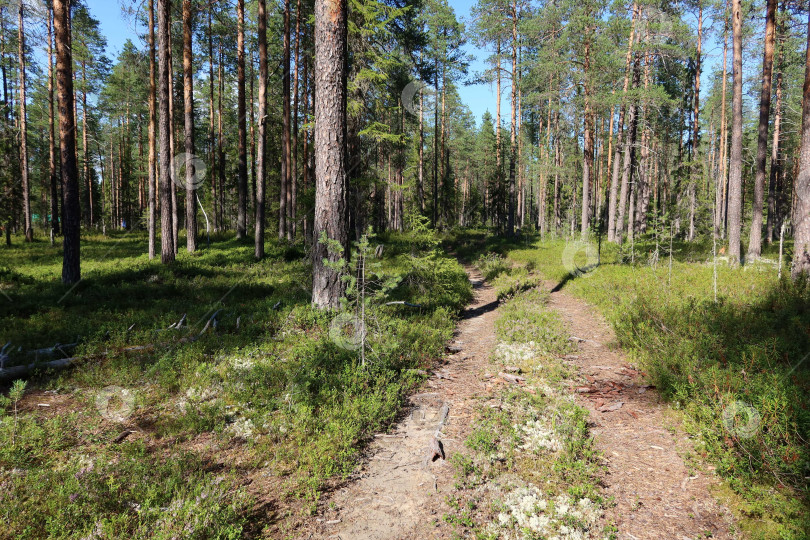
x: 531, y: 470
x: 736, y: 366
x: 226, y: 434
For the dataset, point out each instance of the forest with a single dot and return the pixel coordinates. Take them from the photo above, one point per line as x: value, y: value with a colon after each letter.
x: 267, y: 260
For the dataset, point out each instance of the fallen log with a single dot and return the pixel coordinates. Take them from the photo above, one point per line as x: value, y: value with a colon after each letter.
x: 16, y: 372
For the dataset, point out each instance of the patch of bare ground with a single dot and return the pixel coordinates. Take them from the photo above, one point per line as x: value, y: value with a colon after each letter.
x: 656, y: 495
x: 399, y: 490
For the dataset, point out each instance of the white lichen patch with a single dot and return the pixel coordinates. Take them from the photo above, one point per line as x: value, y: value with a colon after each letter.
x: 528, y: 514
x: 513, y: 353
x: 241, y: 428
x: 537, y: 437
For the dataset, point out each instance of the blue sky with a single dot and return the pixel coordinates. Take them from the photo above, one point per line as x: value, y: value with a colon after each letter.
x: 479, y: 98
x: 118, y: 28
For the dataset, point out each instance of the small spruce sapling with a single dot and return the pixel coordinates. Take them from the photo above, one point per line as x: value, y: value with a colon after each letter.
x: 14, y: 397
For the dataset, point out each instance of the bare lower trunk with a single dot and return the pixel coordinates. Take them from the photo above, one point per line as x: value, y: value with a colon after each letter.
x: 801, y: 250
x: 755, y: 238
x: 167, y: 253
x: 260, y: 152
x: 241, y: 216
x: 26, y: 188
x: 330, y: 140
x: 735, y: 165
x: 152, y: 136
x: 71, y: 262
x: 188, y: 117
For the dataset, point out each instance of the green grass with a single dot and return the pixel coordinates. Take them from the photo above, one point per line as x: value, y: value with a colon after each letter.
x: 264, y: 411
x: 710, y: 359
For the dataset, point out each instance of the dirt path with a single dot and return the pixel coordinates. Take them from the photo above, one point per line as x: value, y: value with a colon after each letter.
x: 398, y: 494
x: 395, y: 494
x: 656, y: 496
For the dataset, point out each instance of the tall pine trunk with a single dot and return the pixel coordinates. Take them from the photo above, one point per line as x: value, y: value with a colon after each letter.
x: 29, y: 229
x: 261, y: 151
x: 510, y: 223
x: 52, y: 174
x: 755, y: 238
x: 285, y: 192
x: 621, y: 132
x: 801, y: 249
x: 735, y: 165
x: 152, y: 177
x: 241, y: 216
x: 695, y: 128
x: 167, y: 242
x: 71, y: 262
x: 330, y: 140
x: 188, y: 116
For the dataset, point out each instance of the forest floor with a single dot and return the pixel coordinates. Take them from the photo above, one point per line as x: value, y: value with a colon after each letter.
x: 488, y: 486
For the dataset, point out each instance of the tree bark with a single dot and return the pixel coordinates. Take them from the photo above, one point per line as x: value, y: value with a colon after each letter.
x: 695, y: 127
x: 52, y: 174
x: 28, y: 227
x: 241, y: 216
x: 286, y: 191
x: 801, y: 246
x: 620, y: 133
x: 587, y: 146
x: 211, y: 128
x: 629, y: 158
x: 755, y: 237
x: 330, y: 140
x: 510, y: 223
x: 188, y: 110
x: 167, y: 252
x: 776, y: 161
x: 152, y: 135
x: 71, y: 262
x: 722, y: 181
x: 735, y: 165
x: 261, y: 151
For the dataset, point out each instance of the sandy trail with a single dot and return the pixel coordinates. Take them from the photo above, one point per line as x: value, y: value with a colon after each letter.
x: 656, y: 496
x: 394, y: 494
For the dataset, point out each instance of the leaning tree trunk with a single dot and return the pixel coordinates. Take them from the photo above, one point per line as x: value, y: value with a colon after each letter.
x: 188, y: 110
x: 29, y: 229
x: 167, y: 253
x: 71, y: 262
x: 755, y: 238
x: 241, y: 216
x: 330, y: 140
x: 735, y: 166
x: 261, y: 151
x: 801, y: 242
